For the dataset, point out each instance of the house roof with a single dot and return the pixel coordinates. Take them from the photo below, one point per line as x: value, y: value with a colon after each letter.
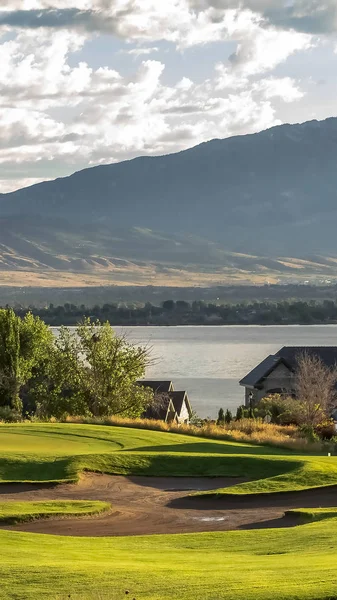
x: 169, y: 402
x: 327, y: 354
x: 159, y: 411
x: 178, y: 399
x: 159, y: 387
x: 262, y: 370
x: 288, y: 355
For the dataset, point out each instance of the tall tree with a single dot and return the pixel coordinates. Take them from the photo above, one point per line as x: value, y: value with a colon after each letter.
x: 315, y: 389
x: 111, y: 368
x: 24, y: 345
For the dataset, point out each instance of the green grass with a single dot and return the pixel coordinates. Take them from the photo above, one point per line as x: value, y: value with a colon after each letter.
x: 21, y: 512
x: 309, y: 515
x: 277, y: 564
x: 60, y: 452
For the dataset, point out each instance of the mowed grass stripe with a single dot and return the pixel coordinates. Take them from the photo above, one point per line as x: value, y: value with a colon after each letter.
x: 63, y: 451
x: 284, y: 564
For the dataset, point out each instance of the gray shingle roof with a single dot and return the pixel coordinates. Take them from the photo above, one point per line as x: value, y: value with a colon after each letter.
x: 159, y: 387
x: 288, y: 355
x: 261, y: 371
x: 327, y: 354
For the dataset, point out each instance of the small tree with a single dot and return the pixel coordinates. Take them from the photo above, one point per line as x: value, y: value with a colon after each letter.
x: 221, y: 417
x: 228, y: 417
x: 315, y: 389
x: 240, y: 413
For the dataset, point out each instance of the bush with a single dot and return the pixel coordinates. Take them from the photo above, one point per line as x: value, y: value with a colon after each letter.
x: 221, y: 418
x: 240, y: 413
x: 283, y: 410
x: 228, y: 417
x: 9, y: 415
x: 326, y: 430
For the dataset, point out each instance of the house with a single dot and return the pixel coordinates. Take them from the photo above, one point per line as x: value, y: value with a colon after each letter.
x: 158, y: 387
x: 276, y: 373
x: 182, y: 406
x: 169, y: 405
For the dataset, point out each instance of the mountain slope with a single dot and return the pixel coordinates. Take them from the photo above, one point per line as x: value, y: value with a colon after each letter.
x: 271, y: 194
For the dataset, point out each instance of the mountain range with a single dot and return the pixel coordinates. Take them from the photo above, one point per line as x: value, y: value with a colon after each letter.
x: 248, y: 208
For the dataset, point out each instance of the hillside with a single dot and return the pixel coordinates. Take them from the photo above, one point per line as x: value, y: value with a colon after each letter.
x: 247, y: 208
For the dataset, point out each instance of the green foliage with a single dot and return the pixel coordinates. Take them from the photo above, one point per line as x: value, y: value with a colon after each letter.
x: 228, y: 417
x: 91, y: 372
x: 283, y: 410
x: 221, y: 417
x: 24, y: 347
x: 10, y: 415
x: 110, y: 371
x: 240, y: 413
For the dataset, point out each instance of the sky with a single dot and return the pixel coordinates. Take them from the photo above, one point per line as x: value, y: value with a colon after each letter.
x: 88, y: 82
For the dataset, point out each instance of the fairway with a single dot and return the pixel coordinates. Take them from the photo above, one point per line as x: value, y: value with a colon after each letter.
x: 283, y: 564
x: 40, y: 440
x: 262, y: 564
x: 60, y: 452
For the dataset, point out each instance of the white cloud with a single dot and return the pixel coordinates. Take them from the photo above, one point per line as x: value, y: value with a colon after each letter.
x: 55, y: 109
x: 113, y: 117
x: 137, y: 52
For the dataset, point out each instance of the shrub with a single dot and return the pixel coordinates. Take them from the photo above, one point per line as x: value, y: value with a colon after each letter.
x: 228, y: 417
x: 9, y: 415
x: 283, y: 410
x: 326, y: 430
x: 240, y: 413
x: 221, y: 418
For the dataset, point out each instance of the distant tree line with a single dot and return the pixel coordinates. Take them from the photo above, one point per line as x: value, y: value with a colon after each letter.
x: 181, y: 312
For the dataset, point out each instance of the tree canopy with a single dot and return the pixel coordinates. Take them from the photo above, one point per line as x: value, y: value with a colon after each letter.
x: 90, y: 371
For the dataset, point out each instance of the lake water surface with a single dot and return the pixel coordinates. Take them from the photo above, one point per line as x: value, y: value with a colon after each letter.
x: 208, y: 362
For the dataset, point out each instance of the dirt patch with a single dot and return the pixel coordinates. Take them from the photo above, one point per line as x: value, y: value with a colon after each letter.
x: 150, y: 505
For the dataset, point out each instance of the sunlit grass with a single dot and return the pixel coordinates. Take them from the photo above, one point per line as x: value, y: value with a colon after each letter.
x: 21, y: 512
x: 277, y: 564
x: 65, y: 450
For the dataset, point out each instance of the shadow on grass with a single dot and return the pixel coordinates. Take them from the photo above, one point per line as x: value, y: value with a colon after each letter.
x: 31, y: 469
x: 323, y: 497
x: 280, y: 522
x: 213, y: 448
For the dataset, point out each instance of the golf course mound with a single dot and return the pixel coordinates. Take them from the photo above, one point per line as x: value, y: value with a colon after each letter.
x: 54, y: 453
x: 250, y: 517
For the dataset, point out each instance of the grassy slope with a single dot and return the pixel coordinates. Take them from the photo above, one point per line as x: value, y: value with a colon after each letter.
x: 20, y: 512
x: 281, y: 564
x: 59, y: 452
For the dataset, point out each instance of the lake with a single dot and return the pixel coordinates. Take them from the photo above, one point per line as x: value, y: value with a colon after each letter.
x: 208, y: 362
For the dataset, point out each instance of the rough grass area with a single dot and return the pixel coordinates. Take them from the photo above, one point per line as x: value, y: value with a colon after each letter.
x: 60, y: 452
x: 252, y: 431
x: 21, y: 512
x: 276, y: 564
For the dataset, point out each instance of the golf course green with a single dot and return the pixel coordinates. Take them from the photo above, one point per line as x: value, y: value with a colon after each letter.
x: 263, y: 564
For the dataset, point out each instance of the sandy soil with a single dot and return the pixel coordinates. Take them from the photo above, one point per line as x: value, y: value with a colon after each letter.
x: 148, y: 505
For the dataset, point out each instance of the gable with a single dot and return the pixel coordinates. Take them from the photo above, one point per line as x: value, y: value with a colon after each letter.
x: 280, y: 377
